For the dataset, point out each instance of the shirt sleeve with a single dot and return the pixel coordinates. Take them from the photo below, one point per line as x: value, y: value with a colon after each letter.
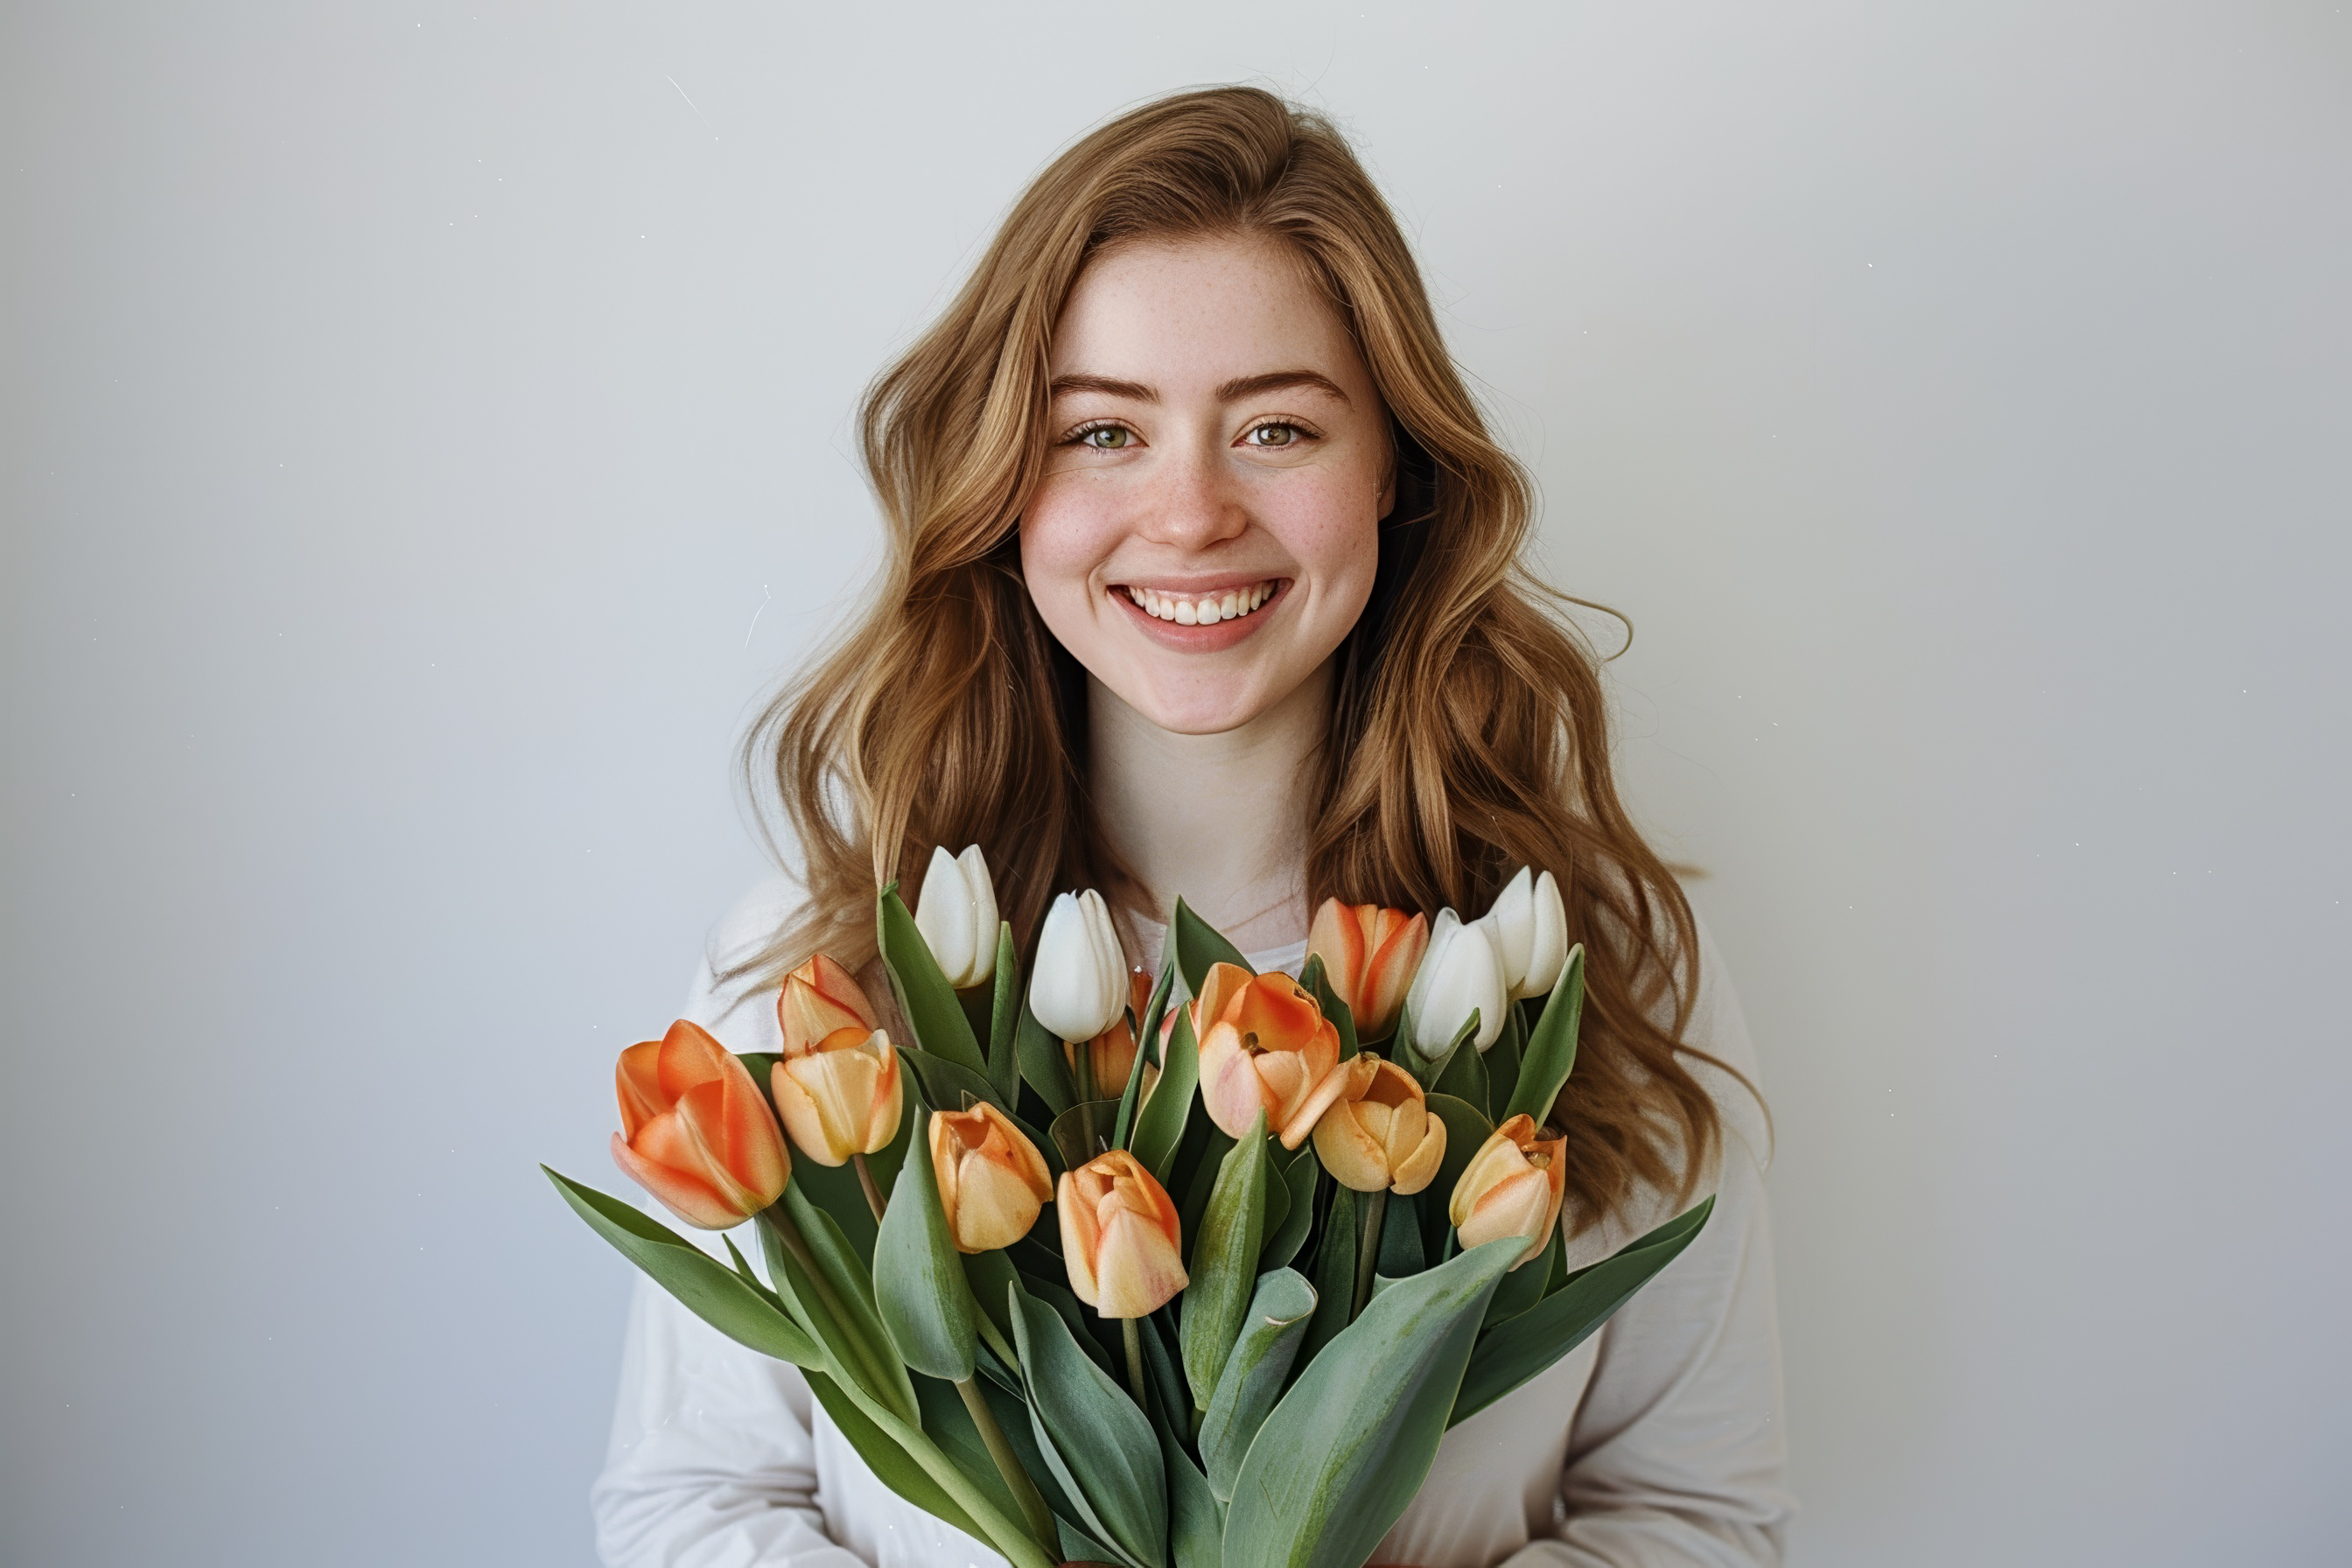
x: 711, y: 1462
x: 1677, y: 1456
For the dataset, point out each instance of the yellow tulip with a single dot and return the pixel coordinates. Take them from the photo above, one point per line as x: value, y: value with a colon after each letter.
x: 1380, y: 1134
x: 992, y: 1182
x: 1121, y: 1240
x: 841, y: 1097
x: 1512, y: 1187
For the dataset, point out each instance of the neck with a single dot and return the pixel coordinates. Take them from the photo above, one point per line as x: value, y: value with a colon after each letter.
x: 1219, y: 819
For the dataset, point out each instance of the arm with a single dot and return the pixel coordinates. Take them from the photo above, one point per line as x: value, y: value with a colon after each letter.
x: 711, y: 1462
x: 1678, y: 1454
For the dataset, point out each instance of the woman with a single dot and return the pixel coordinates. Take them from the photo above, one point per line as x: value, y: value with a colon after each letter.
x: 1204, y: 580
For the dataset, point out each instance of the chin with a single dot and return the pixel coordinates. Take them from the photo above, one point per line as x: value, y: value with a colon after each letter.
x: 1202, y: 707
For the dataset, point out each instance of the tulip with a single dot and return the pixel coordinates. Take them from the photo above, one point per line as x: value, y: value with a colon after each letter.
x: 957, y: 916
x: 1109, y: 1056
x: 1460, y: 971
x: 1120, y: 1236
x: 1512, y: 1187
x: 819, y: 998
x: 1379, y: 1135
x: 696, y: 1131
x: 1077, y: 987
x: 1368, y: 954
x: 1528, y: 926
x: 841, y: 1098
x: 1264, y: 1046
x: 992, y: 1182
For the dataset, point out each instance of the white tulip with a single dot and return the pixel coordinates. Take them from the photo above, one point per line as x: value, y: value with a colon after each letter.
x: 957, y: 916
x: 1077, y: 987
x: 1460, y: 972
x: 1528, y: 926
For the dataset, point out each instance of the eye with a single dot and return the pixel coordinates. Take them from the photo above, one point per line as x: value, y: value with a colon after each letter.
x: 1103, y: 438
x: 1276, y: 432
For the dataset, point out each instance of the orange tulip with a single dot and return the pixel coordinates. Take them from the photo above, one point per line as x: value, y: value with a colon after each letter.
x: 1512, y: 1187
x: 1368, y: 954
x: 842, y: 1097
x: 819, y: 998
x: 1380, y: 1133
x: 696, y: 1131
x: 1120, y: 1238
x: 992, y: 1182
x: 1264, y: 1046
x: 1111, y: 1053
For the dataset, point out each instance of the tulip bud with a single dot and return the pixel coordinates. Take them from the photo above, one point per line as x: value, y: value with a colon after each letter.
x: 1110, y: 1056
x: 695, y: 1130
x: 1380, y: 1133
x: 957, y: 916
x: 1460, y: 972
x: 1512, y: 1187
x: 841, y: 1098
x: 1368, y: 954
x: 1528, y: 926
x: 992, y: 1182
x: 1121, y: 1240
x: 1264, y: 1046
x: 818, y: 998
x: 1077, y: 987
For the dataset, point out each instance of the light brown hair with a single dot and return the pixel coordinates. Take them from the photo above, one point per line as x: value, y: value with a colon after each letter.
x: 1469, y: 731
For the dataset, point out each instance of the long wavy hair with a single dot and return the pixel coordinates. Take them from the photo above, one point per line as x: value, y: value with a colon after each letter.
x: 1469, y: 728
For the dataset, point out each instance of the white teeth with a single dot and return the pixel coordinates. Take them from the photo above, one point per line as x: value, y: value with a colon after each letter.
x: 1204, y: 612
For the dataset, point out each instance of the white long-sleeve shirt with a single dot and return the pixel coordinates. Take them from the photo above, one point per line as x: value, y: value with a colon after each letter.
x: 1655, y: 1444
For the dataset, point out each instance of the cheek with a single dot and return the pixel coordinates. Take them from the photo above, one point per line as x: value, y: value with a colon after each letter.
x: 1331, y: 526
x: 1066, y: 533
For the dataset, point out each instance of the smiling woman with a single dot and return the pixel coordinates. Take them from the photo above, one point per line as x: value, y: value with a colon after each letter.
x: 1204, y: 580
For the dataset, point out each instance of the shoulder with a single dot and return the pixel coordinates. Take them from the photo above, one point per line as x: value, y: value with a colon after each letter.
x: 729, y: 996
x: 1718, y: 1030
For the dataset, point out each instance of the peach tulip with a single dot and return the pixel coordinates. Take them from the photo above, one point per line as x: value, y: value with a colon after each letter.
x: 819, y: 999
x: 1512, y: 1187
x: 840, y: 1098
x: 1264, y: 1046
x: 1120, y: 1238
x: 1111, y: 1053
x: 696, y: 1131
x: 1368, y: 954
x: 1380, y: 1134
x: 992, y: 1182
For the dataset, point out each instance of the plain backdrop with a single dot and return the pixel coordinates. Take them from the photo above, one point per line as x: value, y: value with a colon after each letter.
x: 426, y: 434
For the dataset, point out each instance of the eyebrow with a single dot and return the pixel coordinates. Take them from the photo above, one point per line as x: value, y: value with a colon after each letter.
x: 1228, y: 392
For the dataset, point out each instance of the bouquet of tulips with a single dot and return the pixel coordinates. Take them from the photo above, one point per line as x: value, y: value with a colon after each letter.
x: 1300, y: 1227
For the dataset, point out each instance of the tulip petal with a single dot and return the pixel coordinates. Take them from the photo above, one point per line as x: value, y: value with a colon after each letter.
x: 695, y: 1202
x: 1231, y: 1089
x: 638, y: 1083
x: 1418, y: 1169
x: 944, y: 914
x: 1353, y: 1156
x: 1138, y: 1270
x: 1077, y: 1214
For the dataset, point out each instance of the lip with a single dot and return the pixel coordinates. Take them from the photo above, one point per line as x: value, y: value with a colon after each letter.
x: 1199, y: 639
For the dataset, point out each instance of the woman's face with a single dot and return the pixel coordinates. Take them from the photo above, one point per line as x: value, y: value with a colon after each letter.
x: 1206, y: 529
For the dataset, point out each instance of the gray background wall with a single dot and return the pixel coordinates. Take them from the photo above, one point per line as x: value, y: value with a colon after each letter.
x: 423, y: 432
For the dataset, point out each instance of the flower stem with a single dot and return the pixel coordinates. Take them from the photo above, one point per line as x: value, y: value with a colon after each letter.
x: 1368, y: 1250
x: 873, y: 1198
x: 1008, y: 1464
x: 1083, y: 1060
x: 1134, y: 1361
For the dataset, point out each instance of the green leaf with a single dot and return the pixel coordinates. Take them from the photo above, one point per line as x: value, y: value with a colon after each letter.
x: 949, y: 1085
x: 1335, y: 1271
x: 1225, y: 1261
x: 1043, y: 1065
x: 1160, y: 1125
x: 918, y: 1283
x: 1319, y: 984
x: 1057, y: 1294
x: 1465, y: 1076
x: 836, y: 1303
x: 1254, y: 1372
x: 1523, y: 1287
x: 1196, y: 1520
x: 1502, y: 1059
x: 924, y: 994
x: 1345, y: 1449
x: 1005, y: 1020
x: 1401, y: 1249
x: 836, y: 1190
x: 1513, y: 1352
x: 1430, y: 1072
x: 991, y: 1276
x: 1199, y: 947
x: 1283, y: 1238
x: 1209, y: 1164
x: 1069, y: 1130
x: 1147, y: 1054
x: 1098, y: 1446
x: 1466, y: 1128
x: 1551, y: 1046
x: 1166, y: 1383
x: 893, y: 1465
x: 707, y: 1288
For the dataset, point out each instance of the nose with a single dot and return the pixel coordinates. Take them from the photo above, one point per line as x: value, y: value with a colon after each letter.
x: 1195, y: 502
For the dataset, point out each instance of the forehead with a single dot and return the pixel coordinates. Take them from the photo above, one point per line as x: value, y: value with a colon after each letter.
x: 1172, y: 312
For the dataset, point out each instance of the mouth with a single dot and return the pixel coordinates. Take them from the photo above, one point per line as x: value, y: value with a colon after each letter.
x: 1202, y: 608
